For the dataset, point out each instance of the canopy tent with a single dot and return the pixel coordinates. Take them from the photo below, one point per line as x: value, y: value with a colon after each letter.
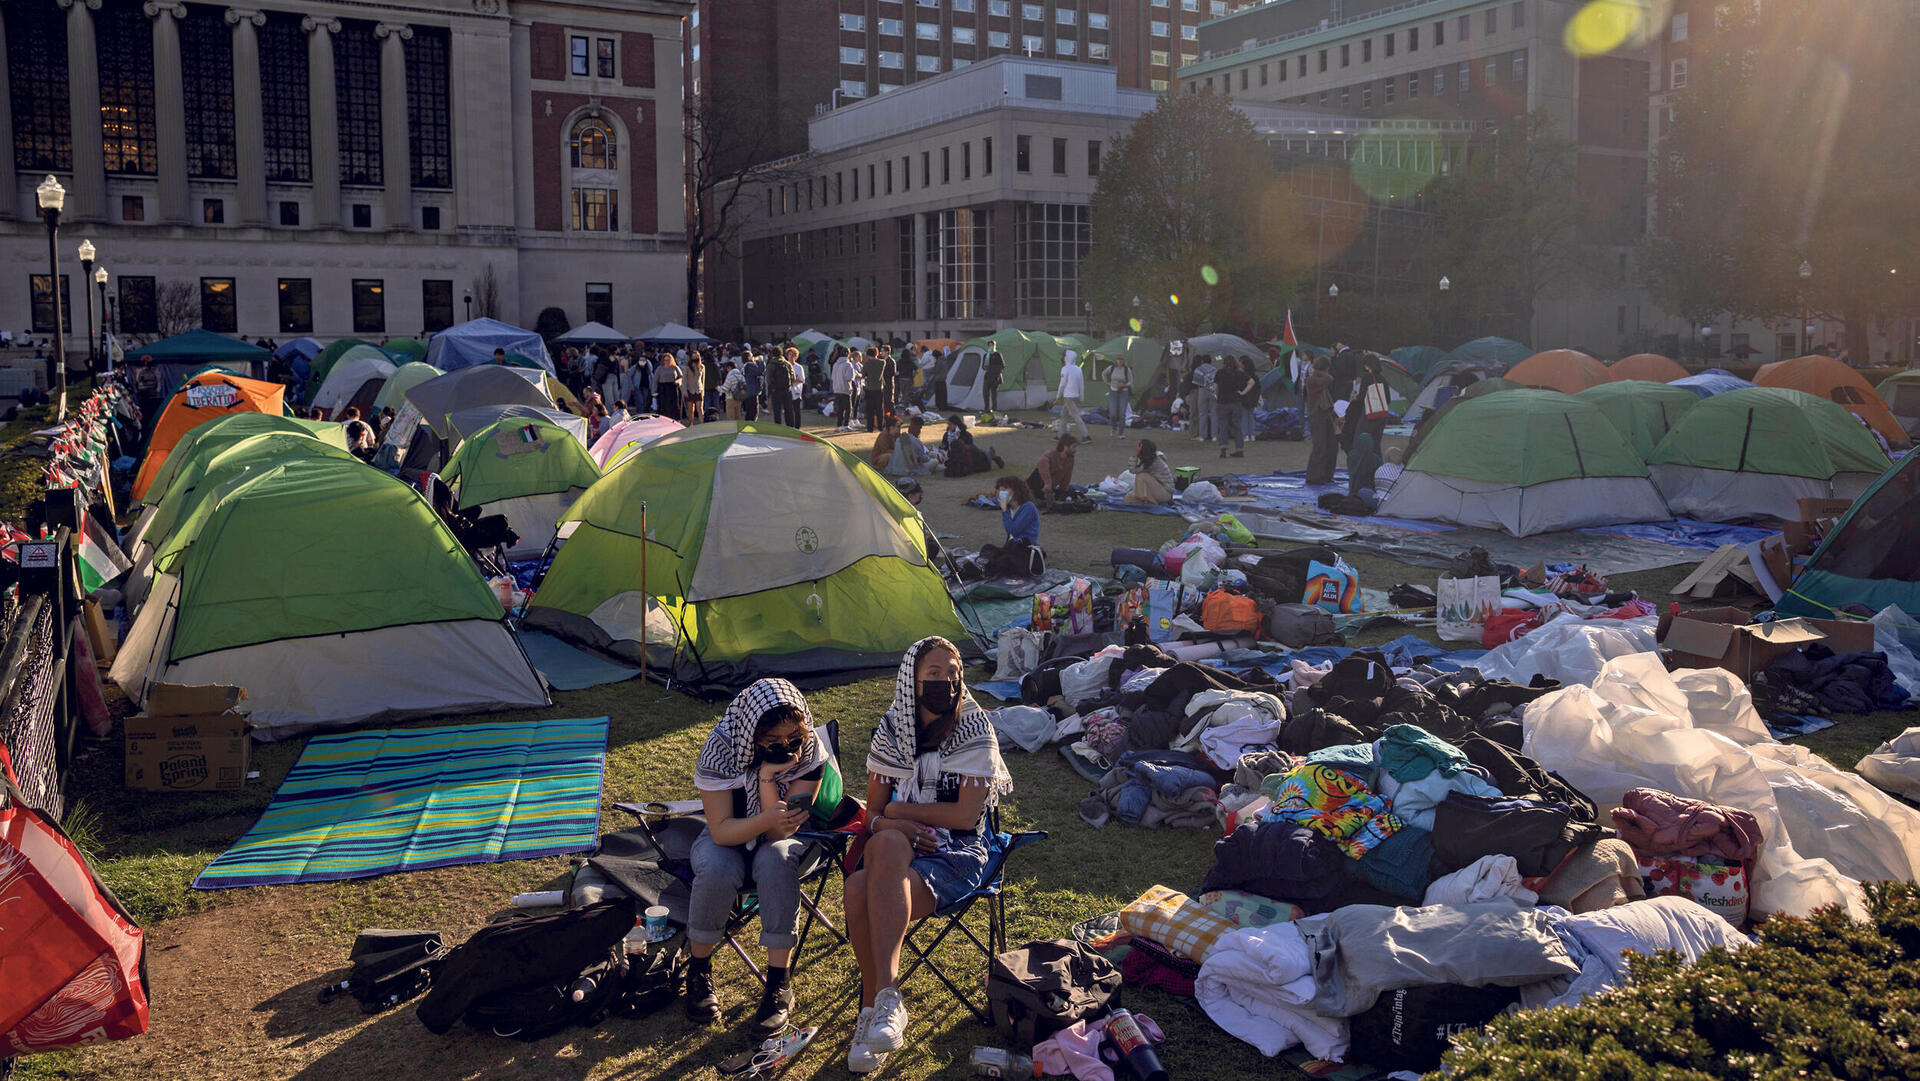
x: 306, y: 348
x: 1825, y: 377
x: 465, y: 422
x: 857, y: 342
x: 1872, y: 557
x: 491, y: 384
x: 179, y: 356
x: 363, y: 608
x: 805, y: 338
x: 1446, y: 383
x: 1421, y: 360
x: 1231, y: 345
x: 1525, y: 461
x: 414, y: 348
x: 1711, y: 382
x: 766, y: 552
x: 1901, y: 392
x: 223, y: 431
x: 673, y: 334
x: 201, y: 398
x: 1503, y: 353
x: 1032, y: 375
x: 1759, y: 451
x: 356, y: 379
x: 592, y: 334
x: 630, y: 433
x: 1649, y: 367
x: 393, y: 394
x: 936, y: 344
x: 1643, y: 412
x: 472, y: 343
x: 1568, y: 371
x: 528, y: 470
x: 1079, y: 343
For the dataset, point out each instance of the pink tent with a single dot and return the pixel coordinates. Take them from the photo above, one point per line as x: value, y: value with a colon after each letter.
x: 629, y: 433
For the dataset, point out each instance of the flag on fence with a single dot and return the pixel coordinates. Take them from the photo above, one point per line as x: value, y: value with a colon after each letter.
x: 101, y: 560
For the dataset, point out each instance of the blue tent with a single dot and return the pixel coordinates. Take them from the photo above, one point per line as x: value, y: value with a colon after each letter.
x: 304, y: 348
x: 1711, y: 382
x: 473, y: 342
x: 1504, y: 352
x: 1421, y: 360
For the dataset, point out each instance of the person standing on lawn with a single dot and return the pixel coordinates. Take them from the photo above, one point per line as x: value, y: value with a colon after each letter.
x: 1119, y: 393
x: 1073, y: 386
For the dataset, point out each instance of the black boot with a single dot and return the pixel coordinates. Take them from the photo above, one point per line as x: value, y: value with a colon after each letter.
x: 775, y: 1004
x: 703, y: 1002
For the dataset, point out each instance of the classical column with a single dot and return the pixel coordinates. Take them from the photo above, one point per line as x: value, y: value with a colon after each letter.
x: 9, y: 181
x: 521, y: 81
x: 396, y: 148
x: 169, y: 108
x: 87, y: 192
x: 323, y: 119
x: 249, y: 131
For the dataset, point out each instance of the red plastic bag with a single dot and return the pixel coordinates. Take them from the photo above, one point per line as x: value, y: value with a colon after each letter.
x: 70, y: 957
x: 1506, y: 625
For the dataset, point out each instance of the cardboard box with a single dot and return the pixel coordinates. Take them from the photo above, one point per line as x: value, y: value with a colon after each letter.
x: 191, y: 739
x: 1818, y: 517
x: 1722, y: 638
x: 100, y: 635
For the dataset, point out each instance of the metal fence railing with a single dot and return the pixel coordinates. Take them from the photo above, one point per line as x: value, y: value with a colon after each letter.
x: 37, y: 721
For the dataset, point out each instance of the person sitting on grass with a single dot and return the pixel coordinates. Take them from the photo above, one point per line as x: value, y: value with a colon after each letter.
x: 1152, y: 475
x: 1021, y: 519
x: 933, y: 773
x: 910, y: 456
x: 881, y: 456
x: 757, y: 775
x: 1052, y: 475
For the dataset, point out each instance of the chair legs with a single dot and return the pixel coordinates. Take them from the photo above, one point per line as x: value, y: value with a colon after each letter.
x: 995, y: 943
x: 810, y: 902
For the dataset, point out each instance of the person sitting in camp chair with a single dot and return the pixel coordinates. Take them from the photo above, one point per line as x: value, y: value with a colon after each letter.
x: 933, y: 773
x: 758, y: 775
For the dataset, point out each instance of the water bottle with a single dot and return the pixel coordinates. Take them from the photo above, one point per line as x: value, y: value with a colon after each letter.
x: 1138, y: 1055
x: 583, y: 987
x: 995, y: 1062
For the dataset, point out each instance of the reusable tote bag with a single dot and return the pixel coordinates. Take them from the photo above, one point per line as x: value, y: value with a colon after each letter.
x: 1464, y: 605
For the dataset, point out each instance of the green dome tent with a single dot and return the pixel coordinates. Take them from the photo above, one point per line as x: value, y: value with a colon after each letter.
x: 404, y: 378
x: 1759, y: 451
x: 224, y: 431
x: 322, y: 364
x: 1143, y: 356
x: 413, y: 348
x: 1502, y: 353
x: 354, y: 381
x: 529, y: 470
x: 767, y: 552
x: 1872, y: 557
x: 334, y: 595
x: 1032, y: 375
x: 1525, y: 461
x: 1421, y: 360
x: 1642, y: 411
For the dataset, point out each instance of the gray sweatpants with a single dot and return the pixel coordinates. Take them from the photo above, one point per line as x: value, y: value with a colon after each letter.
x: 1203, y: 413
x: 718, y: 873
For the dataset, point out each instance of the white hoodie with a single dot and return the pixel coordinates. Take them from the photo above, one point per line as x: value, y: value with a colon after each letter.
x: 1073, y: 382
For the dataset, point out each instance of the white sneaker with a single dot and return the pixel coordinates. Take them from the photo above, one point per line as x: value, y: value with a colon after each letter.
x: 861, y: 1057
x: 888, y: 1029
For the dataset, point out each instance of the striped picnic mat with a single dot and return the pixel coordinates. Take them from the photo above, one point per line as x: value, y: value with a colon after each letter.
x: 359, y: 804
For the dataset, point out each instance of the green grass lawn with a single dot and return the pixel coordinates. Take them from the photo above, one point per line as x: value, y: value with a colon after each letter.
x: 235, y: 973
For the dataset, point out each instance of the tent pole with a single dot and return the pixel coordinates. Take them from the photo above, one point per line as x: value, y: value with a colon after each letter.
x: 644, y: 594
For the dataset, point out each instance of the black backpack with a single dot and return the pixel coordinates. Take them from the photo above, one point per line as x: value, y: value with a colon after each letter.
x: 538, y: 1010
x: 1283, y: 575
x: 1044, y: 987
x: 653, y: 980
x: 516, y: 977
x: 389, y: 967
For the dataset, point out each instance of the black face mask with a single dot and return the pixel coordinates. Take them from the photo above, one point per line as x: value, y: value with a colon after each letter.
x: 778, y: 753
x: 941, y: 696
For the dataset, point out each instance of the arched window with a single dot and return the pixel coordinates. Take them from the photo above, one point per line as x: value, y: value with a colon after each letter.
x: 592, y: 145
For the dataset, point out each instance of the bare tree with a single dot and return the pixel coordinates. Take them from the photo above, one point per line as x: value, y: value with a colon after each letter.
x: 728, y: 142
x: 176, y: 308
x: 486, y: 294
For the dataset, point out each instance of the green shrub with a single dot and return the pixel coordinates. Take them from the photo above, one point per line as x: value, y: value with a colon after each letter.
x: 1820, y: 997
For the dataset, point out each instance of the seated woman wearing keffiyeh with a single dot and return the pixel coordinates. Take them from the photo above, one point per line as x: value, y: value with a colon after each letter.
x: 932, y: 773
x: 757, y: 776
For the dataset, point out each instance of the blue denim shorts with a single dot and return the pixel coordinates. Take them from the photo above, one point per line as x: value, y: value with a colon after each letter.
x: 953, y: 872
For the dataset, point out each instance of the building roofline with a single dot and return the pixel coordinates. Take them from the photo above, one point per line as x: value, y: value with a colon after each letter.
x: 1328, y: 29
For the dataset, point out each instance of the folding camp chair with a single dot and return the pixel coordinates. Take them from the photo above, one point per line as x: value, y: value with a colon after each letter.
x: 950, y: 918
x: 825, y: 851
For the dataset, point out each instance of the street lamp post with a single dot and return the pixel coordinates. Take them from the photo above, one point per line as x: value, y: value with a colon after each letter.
x: 51, y: 197
x: 1445, y: 285
x: 100, y: 284
x: 1333, y: 300
x: 469, y: 299
x: 87, y: 251
x: 1806, y: 275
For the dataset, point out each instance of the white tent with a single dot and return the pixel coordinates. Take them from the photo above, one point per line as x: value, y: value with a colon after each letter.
x: 356, y: 379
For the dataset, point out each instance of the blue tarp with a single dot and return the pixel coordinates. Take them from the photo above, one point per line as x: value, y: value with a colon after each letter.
x: 1711, y: 382
x: 473, y: 342
x: 1687, y: 533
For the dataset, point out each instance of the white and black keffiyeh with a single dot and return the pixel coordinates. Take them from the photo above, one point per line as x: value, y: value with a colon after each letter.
x: 969, y: 755
x: 727, y: 760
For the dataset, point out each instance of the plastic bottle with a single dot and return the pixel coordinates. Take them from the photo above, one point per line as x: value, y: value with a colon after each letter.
x: 636, y: 941
x: 1141, y: 1062
x: 996, y: 1062
x: 583, y: 987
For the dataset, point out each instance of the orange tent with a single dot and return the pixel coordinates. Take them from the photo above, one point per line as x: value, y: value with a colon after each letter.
x: 1568, y: 371
x: 937, y: 343
x: 1651, y: 367
x: 210, y: 394
x: 1828, y: 378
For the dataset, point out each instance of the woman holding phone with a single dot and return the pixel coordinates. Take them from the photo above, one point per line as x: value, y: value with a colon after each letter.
x: 757, y: 775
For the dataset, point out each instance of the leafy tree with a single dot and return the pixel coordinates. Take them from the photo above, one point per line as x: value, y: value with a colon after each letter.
x: 1512, y: 231
x: 551, y: 323
x: 1189, y: 207
x: 1795, y: 140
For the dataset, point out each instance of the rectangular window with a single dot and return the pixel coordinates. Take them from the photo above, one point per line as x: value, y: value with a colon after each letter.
x: 428, y: 56
x: 579, y: 56
x: 1466, y: 77
x: 137, y: 311
x: 926, y: 168
x: 1323, y: 61
x: 436, y: 305
x: 927, y: 31
x: 1346, y: 55
x: 208, y: 93
x: 1093, y: 157
x: 1493, y: 21
x: 603, y: 57
x: 363, y: 215
x: 963, y: 35
x: 1282, y: 65
x: 888, y: 27
x: 1190, y: 5
x: 283, y: 104
x: 1033, y: 13
x: 600, y: 303
x: 123, y: 37
x: 1680, y: 27
x: 1066, y: 47
x: 1366, y: 51
x: 962, y: 5
x: 1263, y: 75
x: 892, y: 60
x: 1096, y: 20
x: 1413, y: 85
x: 1023, y: 153
x: 1439, y: 80
x: 998, y: 39
x: 946, y: 165
x: 926, y: 63
x: 1413, y: 39
x: 1466, y: 28
x: 1190, y: 32
x: 1490, y: 73
x: 369, y: 306
x: 596, y: 210
x: 1033, y: 44
x: 1158, y: 29
x: 986, y: 155
x: 41, y: 288
x: 1439, y: 34
x: 966, y: 161
x: 1387, y: 98
x: 213, y: 211
x: 1677, y: 75
x: 1520, y: 68
x: 356, y: 83
x: 217, y: 308
x: 858, y: 23
x: 1066, y: 16
x: 1303, y: 65
x: 856, y: 183
x: 1059, y: 157
x: 1387, y: 44
x: 999, y: 8
x: 296, y: 305
x: 850, y: 55
x: 1519, y: 14
x: 1243, y: 78
x: 871, y: 190
x: 906, y: 173
x: 134, y: 207
x: 1051, y: 240
x: 888, y: 173
x: 960, y: 247
x: 1159, y: 58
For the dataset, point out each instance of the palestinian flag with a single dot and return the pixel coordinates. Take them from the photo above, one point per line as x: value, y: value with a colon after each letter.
x: 1287, y: 336
x: 101, y: 560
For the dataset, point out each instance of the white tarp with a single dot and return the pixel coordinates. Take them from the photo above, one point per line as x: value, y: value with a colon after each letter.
x: 1722, y: 495
x: 1574, y: 503
x: 1569, y: 649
